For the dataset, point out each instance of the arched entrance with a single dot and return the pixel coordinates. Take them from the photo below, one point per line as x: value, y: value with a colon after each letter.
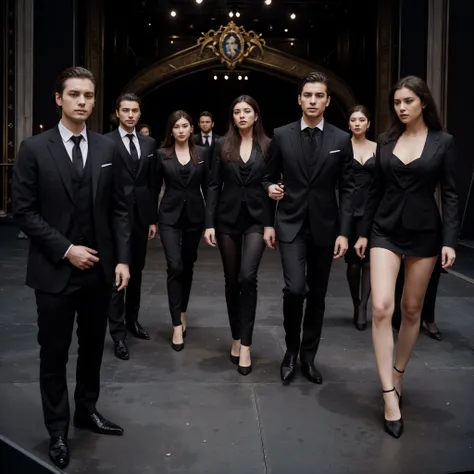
x: 273, y: 62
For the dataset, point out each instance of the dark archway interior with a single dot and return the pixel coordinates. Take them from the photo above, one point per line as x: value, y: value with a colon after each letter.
x: 277, y: 99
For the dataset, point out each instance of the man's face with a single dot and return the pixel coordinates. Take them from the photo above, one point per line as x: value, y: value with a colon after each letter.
x: 206, y: 124
x: 314, y: 99
x: 77, y: 99
x: 144, y: 131
x: 128, y: 114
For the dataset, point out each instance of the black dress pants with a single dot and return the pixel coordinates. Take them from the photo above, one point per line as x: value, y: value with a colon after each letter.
x: 125, y: 304
x: 56, y: 315
x: 180, y: 245
x: 306, y: 269
x: 241, y: 255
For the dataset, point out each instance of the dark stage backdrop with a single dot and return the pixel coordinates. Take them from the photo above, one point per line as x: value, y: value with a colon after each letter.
x: 277, y: 98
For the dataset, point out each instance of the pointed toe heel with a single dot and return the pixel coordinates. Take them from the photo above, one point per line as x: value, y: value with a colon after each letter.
x: 244, y: 370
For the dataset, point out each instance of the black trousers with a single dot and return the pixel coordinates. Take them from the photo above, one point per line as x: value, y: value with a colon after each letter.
x: 125, y: 305
x: 241, y: 255
x: 56, y: 315
x: 306, y: 269
x: 429, y: 303
x: 180, y: 246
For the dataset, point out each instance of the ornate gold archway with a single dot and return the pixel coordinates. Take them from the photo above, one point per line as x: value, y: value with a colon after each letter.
x: 271, y: 61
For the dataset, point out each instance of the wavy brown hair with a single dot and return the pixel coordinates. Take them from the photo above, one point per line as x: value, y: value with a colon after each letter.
x: 430, y: 112
x: 169, y: 142
x: 232, y: 139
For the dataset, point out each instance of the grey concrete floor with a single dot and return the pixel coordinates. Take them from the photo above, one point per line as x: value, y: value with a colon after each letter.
x: 191, y: 412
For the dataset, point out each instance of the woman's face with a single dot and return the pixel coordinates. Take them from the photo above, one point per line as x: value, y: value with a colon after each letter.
x: 408, y: 106
x: 182, y: 130
x: 358, y: 124
x: 244, y: 116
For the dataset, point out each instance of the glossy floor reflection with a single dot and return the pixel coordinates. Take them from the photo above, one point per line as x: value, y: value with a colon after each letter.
x: 191, y: 412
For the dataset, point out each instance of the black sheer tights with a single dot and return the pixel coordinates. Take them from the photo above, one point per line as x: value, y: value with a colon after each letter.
x: 358, y: 277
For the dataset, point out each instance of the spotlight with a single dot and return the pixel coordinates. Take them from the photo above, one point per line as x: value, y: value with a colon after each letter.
x: 173, y: 13
x: 226, y: 77
x: 239, y: 78
x: 149, y: 24
x: 231, y: 14
x: 286, y: 30
x: 198, y: 1
x: 246, y: 78
x: 171, y: 41
x: 268, y: 2
x: 292, y: 44
x: 292, y: 16
x: 215, y: 78
x: 237, y: 15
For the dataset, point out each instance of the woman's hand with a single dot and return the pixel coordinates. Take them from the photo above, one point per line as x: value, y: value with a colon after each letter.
x: 361, y: 246
x: 448, y: 256
x: 210, y: 237
x: 269, y: 237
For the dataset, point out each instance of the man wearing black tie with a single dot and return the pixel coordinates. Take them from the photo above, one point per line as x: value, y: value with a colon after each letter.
x: 206, y: 138
x: 68, y: 198
x: 138, y: 154
x: 311, y: 157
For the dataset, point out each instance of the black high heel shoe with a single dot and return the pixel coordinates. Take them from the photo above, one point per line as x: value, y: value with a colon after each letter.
x: 355, y: 318
x: 393, y: 427
x: 234, y: 359
x: 178, y: 347
x: 399, y: 395
x: 244, y: 370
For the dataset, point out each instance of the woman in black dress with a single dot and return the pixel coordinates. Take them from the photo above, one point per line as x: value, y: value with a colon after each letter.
x: 237, y: 211
x: 183, y: 167
x: 402, y: 219
x: 358, y: 271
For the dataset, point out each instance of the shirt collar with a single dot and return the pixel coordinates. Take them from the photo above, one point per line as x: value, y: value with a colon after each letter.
x: 124, y: 133
x: 208, y: 135
x: 66, y: 134
x: 304, y: 125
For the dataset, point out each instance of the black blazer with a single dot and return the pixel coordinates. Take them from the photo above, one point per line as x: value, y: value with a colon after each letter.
x: 193, y: 193
x: 199, y: 141
x: 315, y: 194
x: 415, y: 205
x: 227, y: 190
x: 140, y: 187
x: 43, y: 207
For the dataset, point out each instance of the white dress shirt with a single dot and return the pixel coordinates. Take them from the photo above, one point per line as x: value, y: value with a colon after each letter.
x: 304, y: 125
x: 209, y: 135
x: 126, y: 140
x: 66, y: 135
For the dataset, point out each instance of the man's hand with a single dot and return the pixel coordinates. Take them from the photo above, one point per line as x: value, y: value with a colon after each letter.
x: 82, y: 257
x: 341, y: 246
x: 210, y: 237
x: 276, y: 191
x: 151, y: 231
x: 269, y: 237
x: 122, y: 275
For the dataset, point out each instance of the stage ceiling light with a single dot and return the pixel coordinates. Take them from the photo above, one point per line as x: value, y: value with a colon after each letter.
x: 173, y: 13
x: 292, y: 16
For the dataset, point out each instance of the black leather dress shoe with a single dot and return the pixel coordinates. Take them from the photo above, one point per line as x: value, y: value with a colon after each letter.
x: 137, y: 330
x: 121, y: 350
x: 435, y: 335
x: 98, y: 424
x: 59, y: 452
x: 288, y: 368
x: 311, y: 373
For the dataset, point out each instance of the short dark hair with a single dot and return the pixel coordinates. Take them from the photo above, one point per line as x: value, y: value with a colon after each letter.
x: 128, y: 96
x: 72, y: 72
x: 313, y: 77
x: 143, y: 125
x: 206, y: 114
x: 362, y: 109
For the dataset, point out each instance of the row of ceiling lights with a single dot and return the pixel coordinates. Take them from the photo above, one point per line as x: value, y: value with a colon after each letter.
x: 173, y: 13
x: 267, y: 2
x: 239, y: 77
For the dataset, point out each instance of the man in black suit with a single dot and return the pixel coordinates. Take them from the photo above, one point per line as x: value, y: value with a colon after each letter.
x: 311, y: 157
x: 206, y: 137
x: 138, y: 154
x: 68, y: 197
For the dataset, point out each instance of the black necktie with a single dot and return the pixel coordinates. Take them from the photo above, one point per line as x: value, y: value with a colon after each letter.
x: 133, y: 149
x: 206, y: 140
x: 77, y: 155
x: 312, y: 143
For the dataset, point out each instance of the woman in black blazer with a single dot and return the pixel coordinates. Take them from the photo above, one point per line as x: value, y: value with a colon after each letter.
x: 237, y: 211
x: 402, y: 219
x: 183, y: 167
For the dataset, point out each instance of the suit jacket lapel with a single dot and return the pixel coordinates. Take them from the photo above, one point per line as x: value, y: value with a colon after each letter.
x: 256, y: 156
x: 175, y: 166
x: 192, y: 170
x: 124, y: 154
x: 328, y: 139
x: 386, y: 160
x: 95, y: 157
x: 143, y: 153
x: 62, y: 160
x: 297, y: 146
x: 431, y: 145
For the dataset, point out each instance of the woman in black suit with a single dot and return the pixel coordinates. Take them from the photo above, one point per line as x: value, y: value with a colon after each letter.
x: 237, y: 211
x: 402, y: 219
x: 183, y: 167
x: 358, y: 271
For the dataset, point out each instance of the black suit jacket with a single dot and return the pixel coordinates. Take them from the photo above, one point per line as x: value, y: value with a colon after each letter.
x: 227, y: 190
x: 315, y: 194
x: 140, y: 188
x: 43, y: 206
x: 389, y: 201
x: 199, y: 141
x: 177, y: 194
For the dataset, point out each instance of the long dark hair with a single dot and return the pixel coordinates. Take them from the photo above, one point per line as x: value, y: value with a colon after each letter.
x: 169, y: 142
x: 232, y: 139
x: 430, y: 112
